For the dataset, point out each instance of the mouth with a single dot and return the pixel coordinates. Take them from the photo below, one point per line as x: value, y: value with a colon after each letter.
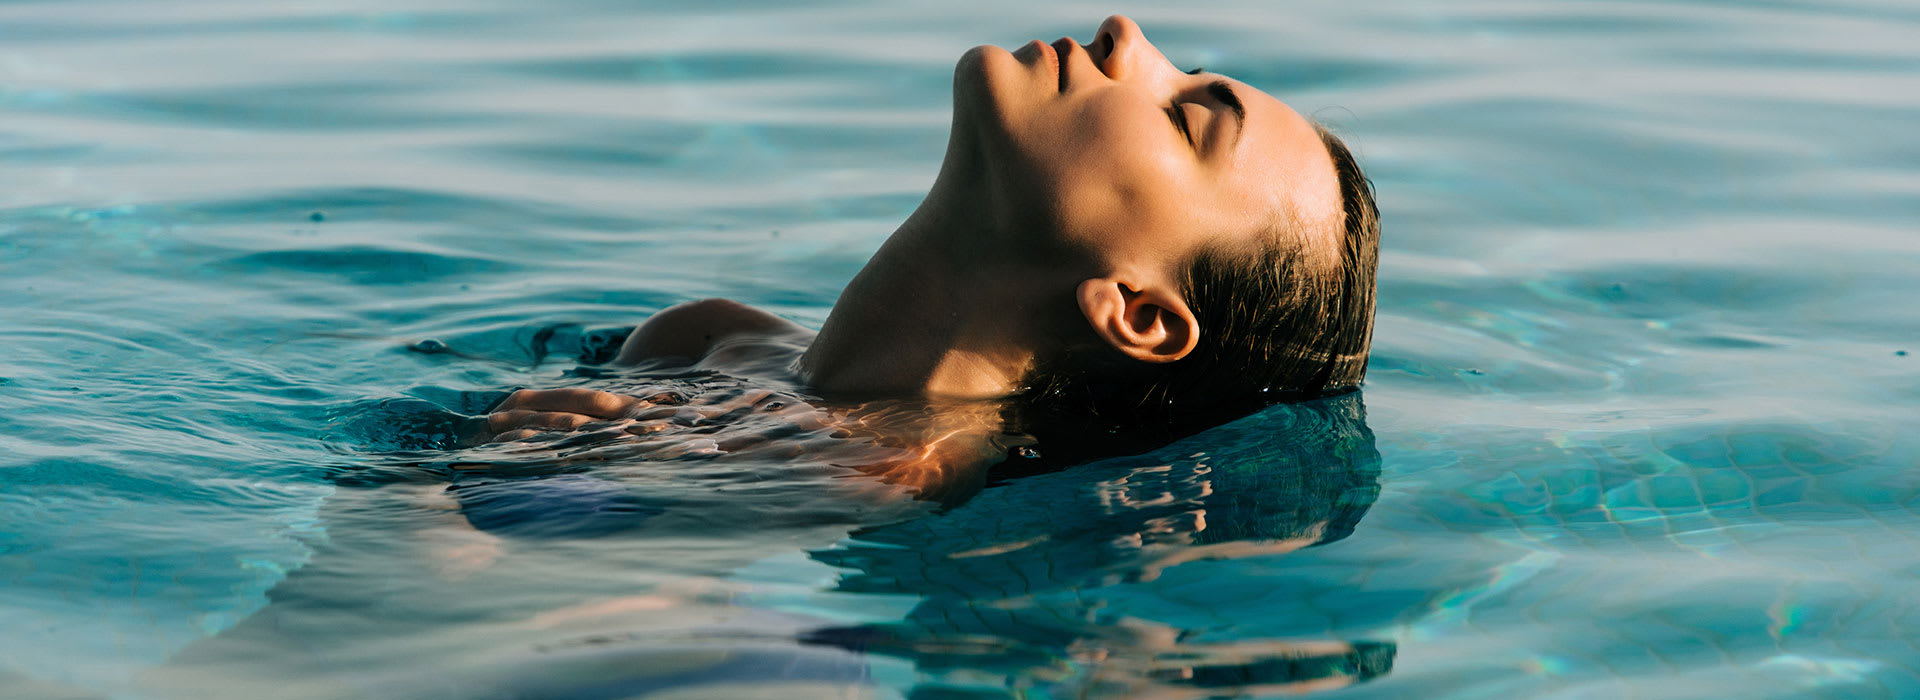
x: 1049, y: 55
x: 1061, y: 49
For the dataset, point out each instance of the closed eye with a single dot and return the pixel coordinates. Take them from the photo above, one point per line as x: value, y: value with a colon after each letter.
x: 1179, y: 118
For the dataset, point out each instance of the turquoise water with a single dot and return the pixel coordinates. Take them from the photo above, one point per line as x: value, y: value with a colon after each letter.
x: 1640, y: 420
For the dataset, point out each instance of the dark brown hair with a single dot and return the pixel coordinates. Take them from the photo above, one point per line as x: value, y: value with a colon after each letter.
x: 1276, y: 324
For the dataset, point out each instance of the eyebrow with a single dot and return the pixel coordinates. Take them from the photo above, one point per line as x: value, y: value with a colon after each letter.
x: 1223, y: 91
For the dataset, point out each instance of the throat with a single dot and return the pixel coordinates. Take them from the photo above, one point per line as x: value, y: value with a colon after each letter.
x: 879, y: 354
x: 951, y: 306
x: 899, y: 331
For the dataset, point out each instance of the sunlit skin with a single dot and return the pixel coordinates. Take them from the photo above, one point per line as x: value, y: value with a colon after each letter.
x: 1078, y: 181
x: 1068, y: 202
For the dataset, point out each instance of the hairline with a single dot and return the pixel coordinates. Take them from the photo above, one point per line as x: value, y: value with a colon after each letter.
x: 1286, y: 235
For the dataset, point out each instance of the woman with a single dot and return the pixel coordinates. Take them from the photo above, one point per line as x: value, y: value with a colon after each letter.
x: 1112, y: 245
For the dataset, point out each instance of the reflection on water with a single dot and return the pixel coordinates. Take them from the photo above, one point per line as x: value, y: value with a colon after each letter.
x: 1047, y: 583
x: 1031, y: 585
x: 1643, y: 382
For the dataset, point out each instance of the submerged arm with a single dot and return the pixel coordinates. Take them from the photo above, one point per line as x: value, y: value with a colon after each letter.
x: 694, y: 329
x: 940, y: 450
x: 711, y: 333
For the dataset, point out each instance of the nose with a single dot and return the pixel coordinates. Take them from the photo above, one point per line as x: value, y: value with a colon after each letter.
x: 1122, y: 51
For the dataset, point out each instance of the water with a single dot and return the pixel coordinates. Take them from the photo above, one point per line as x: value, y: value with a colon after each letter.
x: 1640, y: 419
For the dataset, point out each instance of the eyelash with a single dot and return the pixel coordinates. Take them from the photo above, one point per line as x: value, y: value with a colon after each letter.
x: 1179, y: 118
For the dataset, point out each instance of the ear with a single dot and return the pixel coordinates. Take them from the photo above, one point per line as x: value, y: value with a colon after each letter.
x: 1150, y: 324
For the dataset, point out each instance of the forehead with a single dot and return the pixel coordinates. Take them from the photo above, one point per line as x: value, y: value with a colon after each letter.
x: 1280, y: 164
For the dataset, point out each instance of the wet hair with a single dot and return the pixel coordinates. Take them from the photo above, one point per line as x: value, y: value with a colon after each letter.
x: 1277, y: 323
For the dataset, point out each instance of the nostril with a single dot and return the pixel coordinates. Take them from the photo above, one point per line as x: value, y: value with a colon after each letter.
x: 1101, y: 51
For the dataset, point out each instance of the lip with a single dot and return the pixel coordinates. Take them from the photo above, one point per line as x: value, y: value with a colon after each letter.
x: 1049, y: 54
x: 1062, y: 49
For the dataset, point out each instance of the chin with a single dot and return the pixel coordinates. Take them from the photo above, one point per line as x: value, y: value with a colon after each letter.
x: 992, y: 91
x: 986, y: 80
x: 974, y: 76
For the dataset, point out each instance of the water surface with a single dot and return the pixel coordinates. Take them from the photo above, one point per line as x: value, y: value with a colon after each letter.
x: 1640, y: 419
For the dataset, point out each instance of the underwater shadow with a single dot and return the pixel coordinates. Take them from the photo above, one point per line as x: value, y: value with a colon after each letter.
x: 1054, y: 582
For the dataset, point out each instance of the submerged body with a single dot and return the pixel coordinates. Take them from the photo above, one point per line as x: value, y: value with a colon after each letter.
x: 750, y: 401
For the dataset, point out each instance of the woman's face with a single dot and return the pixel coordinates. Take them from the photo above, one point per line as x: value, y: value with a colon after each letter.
x: 1110, y: 148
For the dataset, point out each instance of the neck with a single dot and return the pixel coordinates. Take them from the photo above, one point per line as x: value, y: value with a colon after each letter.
x: 949, y: 307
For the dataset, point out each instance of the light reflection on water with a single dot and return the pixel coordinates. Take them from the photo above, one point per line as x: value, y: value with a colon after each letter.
x: 1639, y: 398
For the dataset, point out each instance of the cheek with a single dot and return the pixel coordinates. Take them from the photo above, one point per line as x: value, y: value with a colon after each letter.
x: 1123, y: 170
x: 1100, y: 130
x: 1125, y: 132
x: 1097, y: 172
x: 1103, y: 143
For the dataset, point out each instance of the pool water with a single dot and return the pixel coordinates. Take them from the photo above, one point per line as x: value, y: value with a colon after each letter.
x: 1640, y: 421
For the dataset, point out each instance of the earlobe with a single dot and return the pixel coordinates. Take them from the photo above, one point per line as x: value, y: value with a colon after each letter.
x: 1149, y: 324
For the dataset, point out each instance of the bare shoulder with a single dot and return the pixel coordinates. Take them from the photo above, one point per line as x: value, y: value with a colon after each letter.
x: 693, y: 330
